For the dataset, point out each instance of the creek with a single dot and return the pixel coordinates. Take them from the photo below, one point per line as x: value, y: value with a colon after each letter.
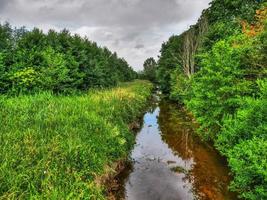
x: 170, y: 162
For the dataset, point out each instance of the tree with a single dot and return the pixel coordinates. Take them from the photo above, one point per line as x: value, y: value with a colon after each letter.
x: 169, y: 61
x: 150, y: 66
x: 59, y: 62
x: 217, y: 87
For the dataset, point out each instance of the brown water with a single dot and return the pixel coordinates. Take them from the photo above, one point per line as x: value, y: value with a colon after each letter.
x: 171, y: 163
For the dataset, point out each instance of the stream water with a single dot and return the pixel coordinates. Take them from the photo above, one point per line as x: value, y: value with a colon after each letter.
x: 171, y: 163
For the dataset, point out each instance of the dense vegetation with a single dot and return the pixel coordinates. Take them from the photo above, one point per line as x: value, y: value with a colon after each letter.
x: 56, y: 147
x: 56, y: 138
x: 32, y: 61
x: 218, y: 70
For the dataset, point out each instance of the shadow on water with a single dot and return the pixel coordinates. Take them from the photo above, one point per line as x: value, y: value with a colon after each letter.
x: 171, y: 163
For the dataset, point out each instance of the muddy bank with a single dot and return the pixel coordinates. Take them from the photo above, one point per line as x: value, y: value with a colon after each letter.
x: 115, y: 174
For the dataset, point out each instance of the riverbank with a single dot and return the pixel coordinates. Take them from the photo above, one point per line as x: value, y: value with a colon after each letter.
x: 57, y: 147
x: 219, y: 74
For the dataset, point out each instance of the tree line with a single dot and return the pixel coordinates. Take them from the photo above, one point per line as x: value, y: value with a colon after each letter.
x: 218, y: 70
x: 32, y: 61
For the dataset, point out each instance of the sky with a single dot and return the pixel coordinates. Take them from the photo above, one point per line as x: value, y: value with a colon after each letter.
x: 135, y: 29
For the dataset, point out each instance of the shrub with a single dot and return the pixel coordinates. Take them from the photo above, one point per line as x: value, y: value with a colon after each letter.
x: 54, y: 72
x: 249, y: 122
x: 248, y: 162
x: 217, y: 87
x: 180, y: 86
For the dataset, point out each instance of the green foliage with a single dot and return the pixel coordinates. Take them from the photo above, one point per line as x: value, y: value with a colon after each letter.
x: 23, y: 80
x: 263, y: 88
x: 248, y: 162
x: 227, y: 10
x: 180, y: 86
x: 57, y: 147
x: 218, y: 86
x: 150, y: 67
x: 57, y: 62
x: 169, y: 60
x: 5, y: 35
x: 228, y: 93
x: 54, y: 71
x: 249, y: 122
x: 243, y: 140
x: 219, y: 31
x: 2, y: 73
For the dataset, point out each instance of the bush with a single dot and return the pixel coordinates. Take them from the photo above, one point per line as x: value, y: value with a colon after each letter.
x: 217, y: 87
x: 180, y: 86
x: 249, y: 122
x: 248, y: 162
x: 243, y: 140
x: 54, y: 72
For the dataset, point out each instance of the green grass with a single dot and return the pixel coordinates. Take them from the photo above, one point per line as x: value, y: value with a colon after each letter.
x: 55, y: 147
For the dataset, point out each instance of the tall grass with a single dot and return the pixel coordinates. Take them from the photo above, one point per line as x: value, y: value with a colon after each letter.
x: 54, y: 147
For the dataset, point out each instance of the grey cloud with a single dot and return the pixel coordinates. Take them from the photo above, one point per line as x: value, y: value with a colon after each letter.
x: 133, y: 28
x: 139, y: 46
x: 4, y: 3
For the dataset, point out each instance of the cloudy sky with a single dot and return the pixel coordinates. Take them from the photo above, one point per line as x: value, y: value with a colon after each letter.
x: 133, y: 28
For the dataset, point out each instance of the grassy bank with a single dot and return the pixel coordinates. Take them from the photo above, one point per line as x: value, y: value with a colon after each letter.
x: 54, y: 147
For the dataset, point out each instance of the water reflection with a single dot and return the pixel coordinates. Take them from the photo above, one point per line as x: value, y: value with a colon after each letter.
x: 170, y: 162
x: 207, y: 173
